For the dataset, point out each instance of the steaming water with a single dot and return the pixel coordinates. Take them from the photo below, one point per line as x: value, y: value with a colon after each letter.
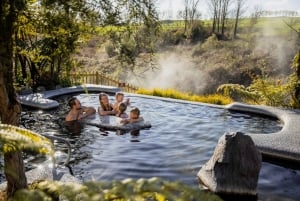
x: 182, y: 138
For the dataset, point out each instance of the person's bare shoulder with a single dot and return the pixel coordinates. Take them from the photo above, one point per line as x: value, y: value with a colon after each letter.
x: 68, y: 117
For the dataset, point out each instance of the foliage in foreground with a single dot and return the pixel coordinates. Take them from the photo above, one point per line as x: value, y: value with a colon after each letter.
x: 13, y: 138
x: 172, y: 93
x: 153, y: 189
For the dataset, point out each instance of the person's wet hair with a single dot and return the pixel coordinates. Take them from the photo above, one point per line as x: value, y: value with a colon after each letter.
x: 101, y: 95
x: 71, y: 101
x: 135, y: 111
x: 104, y: 107
x: 122, y: 107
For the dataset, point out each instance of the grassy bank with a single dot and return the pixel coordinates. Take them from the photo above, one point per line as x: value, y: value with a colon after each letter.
x: 172, y: 93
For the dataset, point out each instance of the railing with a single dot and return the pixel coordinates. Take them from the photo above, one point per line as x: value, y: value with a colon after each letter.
x: 101, y: 79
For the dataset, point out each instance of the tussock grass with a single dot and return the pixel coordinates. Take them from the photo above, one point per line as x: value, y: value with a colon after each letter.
x: 217, y: 99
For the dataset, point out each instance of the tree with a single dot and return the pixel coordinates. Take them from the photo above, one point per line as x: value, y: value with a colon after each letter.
x: 219, y: 10
x: 238, y: 13
x: 46, y: 38
x: 10, y: 108
x: 142, y: 29
x: 190, y: 13
x: 257, y: 13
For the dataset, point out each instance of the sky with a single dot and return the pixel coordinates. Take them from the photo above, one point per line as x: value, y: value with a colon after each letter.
x: 176, y: 5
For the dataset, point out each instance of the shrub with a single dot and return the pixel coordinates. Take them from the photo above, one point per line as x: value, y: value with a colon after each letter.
x: 198, y: 32
x: 47, y: 80
x: 65, y: 82
x: 110, y: 49
x: 261, y: 91
x: 173, y: 37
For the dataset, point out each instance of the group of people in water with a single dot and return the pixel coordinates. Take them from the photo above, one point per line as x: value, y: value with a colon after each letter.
x: 118, y: 109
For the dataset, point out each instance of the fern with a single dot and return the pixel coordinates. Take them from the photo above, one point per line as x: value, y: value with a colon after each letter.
x: 14, y: 138
x: 237, y: 91
x: 154, y: 189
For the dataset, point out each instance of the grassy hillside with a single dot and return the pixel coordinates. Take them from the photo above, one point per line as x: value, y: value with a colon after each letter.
x: 265, y: 48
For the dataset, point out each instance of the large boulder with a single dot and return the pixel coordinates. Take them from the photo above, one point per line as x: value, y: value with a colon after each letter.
x: 234, y: 167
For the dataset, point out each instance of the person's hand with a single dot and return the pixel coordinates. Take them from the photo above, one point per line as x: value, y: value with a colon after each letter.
x: 125, y: 121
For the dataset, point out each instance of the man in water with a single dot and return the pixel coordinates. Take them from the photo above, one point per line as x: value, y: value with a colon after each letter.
x: 77, y: 111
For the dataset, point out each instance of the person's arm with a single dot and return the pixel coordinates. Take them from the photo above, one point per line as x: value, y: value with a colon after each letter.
x: 127, y: 121
x: 87, y: 111
x: 115, y: 106
x: 103, y: 112
x: 136, y: 120
x: 127, y: 102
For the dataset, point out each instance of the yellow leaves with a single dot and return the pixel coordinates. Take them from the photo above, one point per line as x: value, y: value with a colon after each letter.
x: 296, y: 61
x: 13, y: 138
x: 154, y: 189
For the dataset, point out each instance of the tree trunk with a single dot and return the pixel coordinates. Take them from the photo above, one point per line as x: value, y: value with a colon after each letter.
x: 297, y: 87
x: 9, y: 106
x: 236, y: 22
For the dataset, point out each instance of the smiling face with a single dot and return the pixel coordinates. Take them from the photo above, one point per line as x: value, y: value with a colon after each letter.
x: 119, y: 98
x: 104, y: 100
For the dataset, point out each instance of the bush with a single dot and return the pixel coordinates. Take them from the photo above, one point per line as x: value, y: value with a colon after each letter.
x: 47, y: 80
x: 110, y: 49
x: 173, y: 37
x: 65, y: 82
x: 198, y: 33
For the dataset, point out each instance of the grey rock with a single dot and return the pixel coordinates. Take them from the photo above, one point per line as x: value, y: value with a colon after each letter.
x: 234, y: 167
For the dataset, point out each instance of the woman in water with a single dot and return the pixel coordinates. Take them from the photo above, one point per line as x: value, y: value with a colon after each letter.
x: 105, y: 108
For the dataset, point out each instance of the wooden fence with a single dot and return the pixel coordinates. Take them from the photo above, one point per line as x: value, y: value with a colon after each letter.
x: 101, y: 79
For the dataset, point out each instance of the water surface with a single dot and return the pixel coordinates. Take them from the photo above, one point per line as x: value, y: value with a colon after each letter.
x: 182, y: 138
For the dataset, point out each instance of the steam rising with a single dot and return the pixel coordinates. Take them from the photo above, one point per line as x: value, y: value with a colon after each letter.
x: 279, y: 48
x: 273, y: 48
x: 176, y: 71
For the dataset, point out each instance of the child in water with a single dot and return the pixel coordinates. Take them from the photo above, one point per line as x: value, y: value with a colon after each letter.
x: 134, y: 116
x: 119, y: 99
x: 121, y: 111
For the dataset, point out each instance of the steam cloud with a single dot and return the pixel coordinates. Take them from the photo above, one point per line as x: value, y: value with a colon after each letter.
x: 180, y: 71
x: 279, y: 48
x: 176, y: 71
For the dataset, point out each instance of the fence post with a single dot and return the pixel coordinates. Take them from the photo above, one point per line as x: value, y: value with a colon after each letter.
x: 97, y: 77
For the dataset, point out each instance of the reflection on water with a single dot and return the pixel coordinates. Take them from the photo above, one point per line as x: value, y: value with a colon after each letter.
x: 182, y: 138
x: 74, y: 127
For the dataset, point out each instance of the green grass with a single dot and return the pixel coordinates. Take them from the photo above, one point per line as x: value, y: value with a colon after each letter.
x: 271, y: 25
x: 267, y: 25
x: 172, y: 93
